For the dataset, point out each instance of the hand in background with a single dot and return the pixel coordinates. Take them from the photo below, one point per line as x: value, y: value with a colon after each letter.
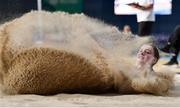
x: 134, y: 5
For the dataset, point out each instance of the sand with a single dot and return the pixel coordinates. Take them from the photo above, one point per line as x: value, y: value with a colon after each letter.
x: 102, y: 100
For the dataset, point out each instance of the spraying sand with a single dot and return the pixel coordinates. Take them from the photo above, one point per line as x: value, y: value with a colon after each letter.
x: 73, y: 44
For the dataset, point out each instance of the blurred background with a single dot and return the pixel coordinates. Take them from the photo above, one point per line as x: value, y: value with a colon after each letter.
x: 100, y: 9
x: 109, y: 11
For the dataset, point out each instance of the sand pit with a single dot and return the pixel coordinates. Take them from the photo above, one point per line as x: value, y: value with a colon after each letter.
x: 104, y: 100
x: 86, y: 46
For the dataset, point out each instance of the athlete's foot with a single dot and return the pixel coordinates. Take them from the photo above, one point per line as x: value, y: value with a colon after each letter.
x: 172, y: 62
x: 166, y: 48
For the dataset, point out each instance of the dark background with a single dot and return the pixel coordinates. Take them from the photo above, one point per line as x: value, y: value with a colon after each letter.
x: 101, y: 9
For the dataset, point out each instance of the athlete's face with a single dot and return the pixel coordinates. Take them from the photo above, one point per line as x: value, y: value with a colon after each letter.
x: 146, y: 55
